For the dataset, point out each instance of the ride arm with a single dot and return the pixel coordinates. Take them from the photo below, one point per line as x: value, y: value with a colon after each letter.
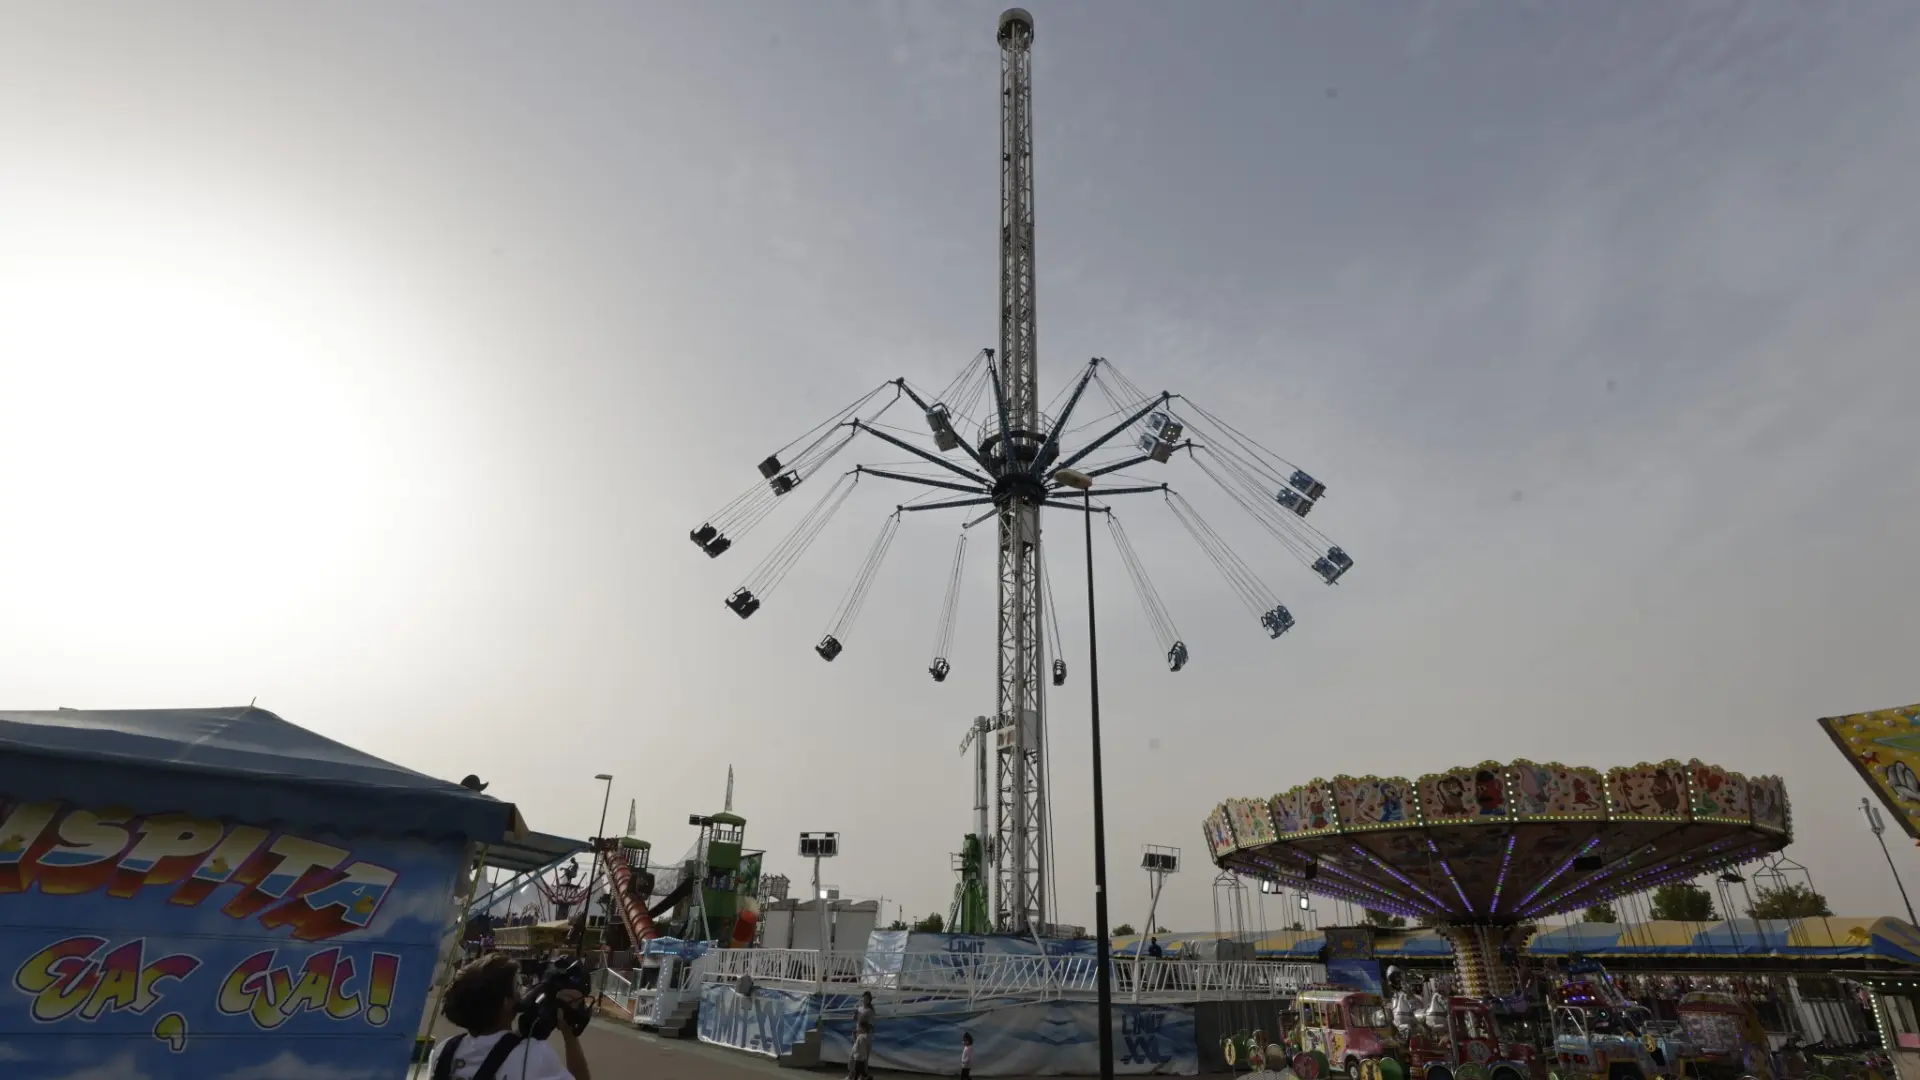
x: 862, y: 425
x: 948, y: 505
x: 1104, y: 492
x: 921, y: 480
x: 999, y: 400
x: 917, y: 399
x: 1132, y: 461
x: 1115, y: 430
x: 1060, y: 422
x: 926, y: 408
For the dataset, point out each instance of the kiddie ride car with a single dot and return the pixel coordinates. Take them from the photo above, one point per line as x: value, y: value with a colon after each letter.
x: 1345, y: 1029
x: 1473, y: 1048
x: 1599, y: 1035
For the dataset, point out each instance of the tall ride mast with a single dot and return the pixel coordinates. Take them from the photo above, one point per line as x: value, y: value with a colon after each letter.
x: 1006, y: 461
x: 1021, y: 827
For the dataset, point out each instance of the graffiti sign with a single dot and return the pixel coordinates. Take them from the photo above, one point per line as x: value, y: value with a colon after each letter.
x: 231, y: 944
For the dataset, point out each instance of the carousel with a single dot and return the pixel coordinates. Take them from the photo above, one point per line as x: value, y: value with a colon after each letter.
x: 1483, y: 854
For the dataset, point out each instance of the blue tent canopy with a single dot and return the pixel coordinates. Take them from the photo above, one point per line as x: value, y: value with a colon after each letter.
x: 1834, y: 937
x: 212, y: 762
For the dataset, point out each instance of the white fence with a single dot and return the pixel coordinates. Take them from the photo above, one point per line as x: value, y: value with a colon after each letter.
x: 1034, y: 978
x: 784, y: 966
x: 613, y: 986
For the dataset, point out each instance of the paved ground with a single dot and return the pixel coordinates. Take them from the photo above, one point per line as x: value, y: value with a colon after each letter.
x: 616, y: 1051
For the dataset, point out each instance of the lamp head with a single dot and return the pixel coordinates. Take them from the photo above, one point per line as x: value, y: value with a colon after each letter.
x: 1072, y: 478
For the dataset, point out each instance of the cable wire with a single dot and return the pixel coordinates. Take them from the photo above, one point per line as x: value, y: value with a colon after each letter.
x: 752, y: 506
x: 856, y: 594
x: 1053, y: 609
x: 773, y: 569
x: 1240, y: 577
x: 950, y: 609
x: 1163, y: 628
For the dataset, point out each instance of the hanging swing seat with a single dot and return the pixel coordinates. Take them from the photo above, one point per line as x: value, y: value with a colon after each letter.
x: 828, y: 648
x: 1177, y: 656
x: 939, y: 669
x: 1333, y: 564
x: 743, y: 602
x: 941, y: 422
x: 1294, y: 501
x: 1059, y: 672
x: 1278, y: 621
x: 711, y: 540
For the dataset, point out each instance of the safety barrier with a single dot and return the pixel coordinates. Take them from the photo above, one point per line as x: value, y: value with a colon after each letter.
x: 611, y: 986
x: 786, y: 967
x: 940, y: 976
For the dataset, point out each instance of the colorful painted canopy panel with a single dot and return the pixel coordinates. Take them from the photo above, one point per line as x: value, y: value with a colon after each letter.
x: 1884, y: 747
x: 1503, y: 842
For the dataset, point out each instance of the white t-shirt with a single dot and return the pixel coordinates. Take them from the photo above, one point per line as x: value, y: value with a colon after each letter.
x: 528, y: 1061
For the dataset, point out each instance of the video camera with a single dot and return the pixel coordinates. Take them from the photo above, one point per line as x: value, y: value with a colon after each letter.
x: 541, y: 1009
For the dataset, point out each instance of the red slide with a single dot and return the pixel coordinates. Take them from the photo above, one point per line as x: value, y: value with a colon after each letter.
x: 633, y: 903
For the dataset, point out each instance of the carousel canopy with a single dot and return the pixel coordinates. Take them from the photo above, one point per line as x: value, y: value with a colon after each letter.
x: 1502, y: 843
x: 1836, y: 937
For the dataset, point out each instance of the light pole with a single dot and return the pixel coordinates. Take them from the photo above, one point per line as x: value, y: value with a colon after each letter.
x: 586, y: 914
x: 1103, y: 975
x: 1879, y: 827
x: 817, y: 846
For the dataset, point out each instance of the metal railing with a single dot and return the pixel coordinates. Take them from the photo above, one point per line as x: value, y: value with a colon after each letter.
x: 785, y: 966
x: 934, y: 977
x: 610, y: 985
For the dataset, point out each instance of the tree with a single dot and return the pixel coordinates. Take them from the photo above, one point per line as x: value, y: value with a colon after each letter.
x: 1159, y: 929
x: 932, y: 924
x: 1788, y: 902
x: 897, y: 924
x: 1683, y: 902
x: 1601, y: 912
x: 1384, y: 920
x: 1123, y: 930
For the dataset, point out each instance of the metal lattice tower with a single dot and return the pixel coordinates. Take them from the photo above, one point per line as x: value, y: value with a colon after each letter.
x: 1021, y: 825
x: 1003, y: 460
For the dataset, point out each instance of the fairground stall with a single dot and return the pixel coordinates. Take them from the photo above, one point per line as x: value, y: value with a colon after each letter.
x: 218, y: 892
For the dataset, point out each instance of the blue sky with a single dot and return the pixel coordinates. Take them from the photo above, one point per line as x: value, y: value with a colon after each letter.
x: 374, y: 362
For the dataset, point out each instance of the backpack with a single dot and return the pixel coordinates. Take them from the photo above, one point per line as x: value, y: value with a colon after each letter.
x: 443, y: 1068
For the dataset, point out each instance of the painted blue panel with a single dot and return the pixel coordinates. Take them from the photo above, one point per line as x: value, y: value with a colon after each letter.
x: 171, y: 945
x: 1048, y: 1038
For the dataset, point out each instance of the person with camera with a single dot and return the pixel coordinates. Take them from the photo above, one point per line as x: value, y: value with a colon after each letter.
x: 505, y: 1034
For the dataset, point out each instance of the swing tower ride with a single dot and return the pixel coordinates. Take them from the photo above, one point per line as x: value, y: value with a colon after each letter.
x: 1010, y: 459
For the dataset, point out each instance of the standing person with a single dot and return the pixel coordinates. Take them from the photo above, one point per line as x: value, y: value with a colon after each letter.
x: 862, y: 1050
x: 483, y: 998
x: 862, y: 1038
x: 966, y: 1055
x: 1153, y: 948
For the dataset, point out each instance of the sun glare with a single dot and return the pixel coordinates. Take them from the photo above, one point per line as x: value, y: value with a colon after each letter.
x: 184, y: 433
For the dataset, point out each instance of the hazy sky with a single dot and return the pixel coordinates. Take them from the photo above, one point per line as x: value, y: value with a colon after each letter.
x: 374, y: 360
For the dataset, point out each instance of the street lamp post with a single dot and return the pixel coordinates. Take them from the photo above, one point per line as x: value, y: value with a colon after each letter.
x: 1103, y: 975
x: 586, y: 915
x: 817, y: 846
x: 1879, y: 828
